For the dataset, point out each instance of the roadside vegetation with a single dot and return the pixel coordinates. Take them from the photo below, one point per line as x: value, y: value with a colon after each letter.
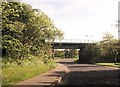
x: 13, y: 73
x: 105, y: 52
x: 110, y: 64
x: 27, y: 35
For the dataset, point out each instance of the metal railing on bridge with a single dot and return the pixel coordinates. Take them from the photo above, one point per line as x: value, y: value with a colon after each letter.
x: 74, y: 41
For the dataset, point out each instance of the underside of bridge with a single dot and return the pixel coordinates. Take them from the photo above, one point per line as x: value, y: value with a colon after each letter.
x: 68, y: 45
x: 79, y: 46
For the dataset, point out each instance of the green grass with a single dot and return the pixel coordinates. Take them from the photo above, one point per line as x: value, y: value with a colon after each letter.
x: 109, y: 64
x: 13, y: 73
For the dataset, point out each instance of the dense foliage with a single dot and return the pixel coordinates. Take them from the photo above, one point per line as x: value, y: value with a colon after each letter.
x: 26, y: 31
x: 71, y: 53
x: 59, y: 53
x: 106, y: 50
x: 27, y: 35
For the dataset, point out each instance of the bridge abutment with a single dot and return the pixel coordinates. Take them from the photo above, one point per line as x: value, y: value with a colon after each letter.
x: 81, y: 55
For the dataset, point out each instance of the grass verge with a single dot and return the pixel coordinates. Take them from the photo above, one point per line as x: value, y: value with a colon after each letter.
x: 13, y: 73
x: 110, y: 64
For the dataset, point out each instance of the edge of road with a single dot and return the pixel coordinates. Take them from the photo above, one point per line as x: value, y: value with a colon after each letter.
x: 108, y: 66
x: 61, y: 77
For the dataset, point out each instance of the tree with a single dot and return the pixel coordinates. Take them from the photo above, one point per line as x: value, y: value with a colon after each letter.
x: 89, y: 53
x: 26, y: 31
x: 59, y: 53
x: 110, y: 44
x: 72, y: 53
x: 12, y: 29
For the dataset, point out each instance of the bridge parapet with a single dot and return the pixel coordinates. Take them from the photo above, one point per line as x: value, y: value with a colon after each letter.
x: 74, y: 41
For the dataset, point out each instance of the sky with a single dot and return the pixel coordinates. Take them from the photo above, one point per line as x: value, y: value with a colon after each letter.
x: 81, y: 19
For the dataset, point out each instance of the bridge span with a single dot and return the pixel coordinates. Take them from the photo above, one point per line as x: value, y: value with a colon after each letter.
x: 71, y: 43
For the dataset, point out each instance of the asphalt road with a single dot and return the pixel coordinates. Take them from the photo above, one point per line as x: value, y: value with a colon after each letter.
x: 89, y: 74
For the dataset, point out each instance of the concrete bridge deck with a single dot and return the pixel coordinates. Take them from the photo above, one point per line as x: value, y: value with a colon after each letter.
x: 71, y: 43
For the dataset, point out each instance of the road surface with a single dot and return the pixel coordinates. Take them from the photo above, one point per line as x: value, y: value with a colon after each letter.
x: 89, y: 74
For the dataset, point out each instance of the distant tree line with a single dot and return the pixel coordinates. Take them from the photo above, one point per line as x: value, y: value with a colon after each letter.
x: 67, y: 53
x: 26, y: 31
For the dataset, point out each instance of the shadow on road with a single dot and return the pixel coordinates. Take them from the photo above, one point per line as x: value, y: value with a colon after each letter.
x: 90, y: 74
x: 102, y: 77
